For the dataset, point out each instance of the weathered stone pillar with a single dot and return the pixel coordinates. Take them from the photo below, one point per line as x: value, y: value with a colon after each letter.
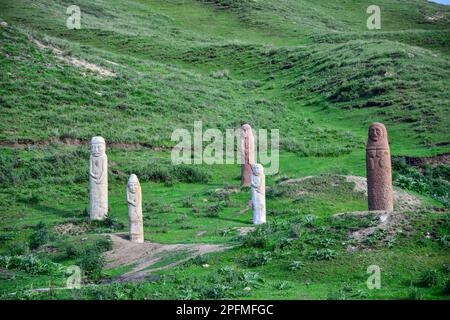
x: 247, y: 154
x: 134, y: 198
x: 258, y: 184
x: 378, y: 166
x: 98, y: 179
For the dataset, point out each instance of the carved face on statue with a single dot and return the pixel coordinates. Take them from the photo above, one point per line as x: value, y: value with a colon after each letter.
x: 376, y: 132
x: 246, y: 129
x: 133, y: 184
x: 98, y: 146
x: 133, y: 187
x: 257, y: 169
x: 98, y: 149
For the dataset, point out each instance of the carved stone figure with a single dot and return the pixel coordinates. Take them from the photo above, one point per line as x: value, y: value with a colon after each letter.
x: 378, y: 166
x: 247, y: 154
x: 258, y: 184
x: 134, y: 198
x: 98, y: 179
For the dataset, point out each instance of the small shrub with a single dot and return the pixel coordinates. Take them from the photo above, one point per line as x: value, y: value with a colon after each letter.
x: 220, y: 74
x: 217, y: 291
x: 91, y: 262
x: 295, y: 265
x: 73, y: 251
x: 213, y: 210
x: 414, y: 293
x: 251, y: 279
x: 296, y: 230
x: 40, y: 236
x: 446, y: 289
x: 18, y: 249
x: 166, y: 208
x: 181, y: 218
x: 309, y: 220
x: 283, y: 285
x: 257, y: 238
x: 428, y: 279
x: 104, y: 244
x: 187, y: 226
x: 30, y: 264
x: 257, y: 259
x: 323, y: 254
x: 187, y: 202
x: 190, y: 174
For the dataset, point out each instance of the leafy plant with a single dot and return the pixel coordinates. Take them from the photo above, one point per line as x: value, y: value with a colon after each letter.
x: 40, y: 236
x: 428, y: 278
x: 295, y: 265
x: 323, y: 254
x: 257, y: 259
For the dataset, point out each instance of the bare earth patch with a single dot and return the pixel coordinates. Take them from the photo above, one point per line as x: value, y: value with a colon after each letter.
x: 390, y: 223
x: 141, y: 256
x: 402, y: 200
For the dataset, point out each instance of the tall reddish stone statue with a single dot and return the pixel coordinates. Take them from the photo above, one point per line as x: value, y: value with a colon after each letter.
x: 247, y: 154
x: 378, y: 166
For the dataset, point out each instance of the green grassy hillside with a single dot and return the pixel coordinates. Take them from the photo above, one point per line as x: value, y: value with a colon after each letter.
x: 137, y: 70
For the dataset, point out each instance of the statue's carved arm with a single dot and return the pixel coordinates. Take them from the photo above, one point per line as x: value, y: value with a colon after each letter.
x: 91, y: 173
x: 130, y: 200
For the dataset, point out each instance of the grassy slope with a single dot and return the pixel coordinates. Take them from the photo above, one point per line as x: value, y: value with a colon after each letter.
x: 313, y: 63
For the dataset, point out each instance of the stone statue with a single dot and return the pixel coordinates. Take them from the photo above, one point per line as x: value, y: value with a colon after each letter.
x: 258, y: 184
x: 134, y: 198
x: 98, y: 179
x: 378, y: 166
x: 247, y: 154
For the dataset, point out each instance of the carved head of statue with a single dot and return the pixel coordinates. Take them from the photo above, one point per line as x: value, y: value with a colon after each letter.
x: 98, y: 146
x: 377, y: 135
x: 257, y: 169
x: 133, y: 184
x: 246, y: 130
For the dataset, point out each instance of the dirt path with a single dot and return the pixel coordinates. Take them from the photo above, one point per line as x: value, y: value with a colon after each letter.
x: 142, y: 256
x: 60, y: 55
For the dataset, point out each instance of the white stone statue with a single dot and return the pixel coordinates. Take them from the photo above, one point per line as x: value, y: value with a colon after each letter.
x: 98, y: 179
x: 258, y: 194
x: 134, y: 198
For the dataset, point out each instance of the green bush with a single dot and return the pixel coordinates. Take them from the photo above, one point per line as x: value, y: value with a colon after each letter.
x: 414, y: 293
x: 213, y: 210
x: 17, y: 249
x: 295, y: 265
x: 446, y: 289
x: 323, y: 254
x: 431, y: 181
x: 40, y: 236
x: 428, y: 279
x: 92, y: 262
x: 257, y: 238
x: 73, y: 251
x: 256, y: 259
x: 217, y: 291
x: 30, y: 264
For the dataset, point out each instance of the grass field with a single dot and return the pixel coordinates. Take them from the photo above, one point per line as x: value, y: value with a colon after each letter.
x: 137, y: 70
